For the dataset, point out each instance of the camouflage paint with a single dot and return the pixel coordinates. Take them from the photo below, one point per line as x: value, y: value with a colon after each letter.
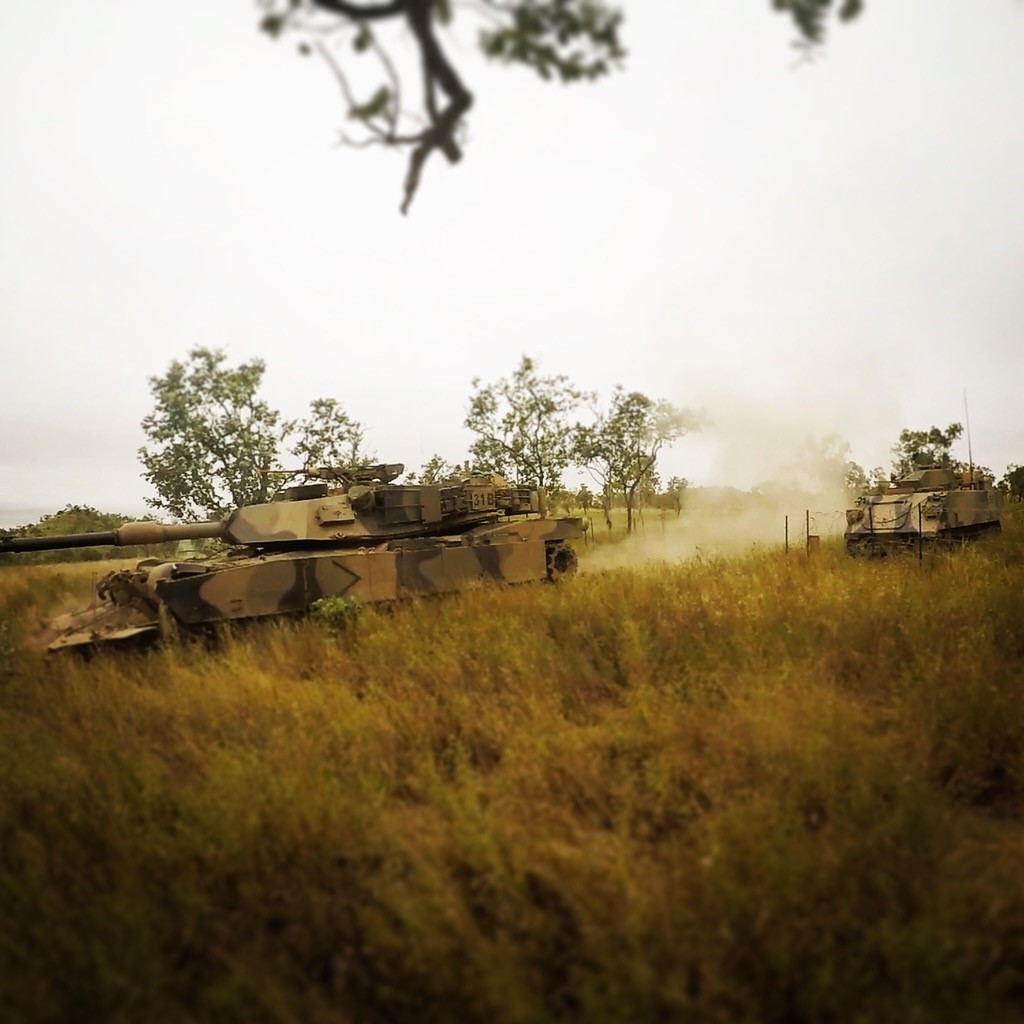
x: 365, y: 541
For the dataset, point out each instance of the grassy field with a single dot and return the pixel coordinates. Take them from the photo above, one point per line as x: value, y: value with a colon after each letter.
x: 737, y: 788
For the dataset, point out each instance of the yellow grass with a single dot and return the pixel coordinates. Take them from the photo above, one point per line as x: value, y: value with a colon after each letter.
x: 715, y: 789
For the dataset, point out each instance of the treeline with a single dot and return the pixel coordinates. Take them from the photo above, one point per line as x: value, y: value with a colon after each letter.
x: 214, y: 444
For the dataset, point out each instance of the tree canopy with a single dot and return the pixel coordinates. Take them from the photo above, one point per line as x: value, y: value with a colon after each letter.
x: 562, y: 40
x: 437, y: 470
x: 925, y: 447
x: 328, y: 436
x: 621, y: 446
x: 213, y: 443
x: 1013, y: 482
x: 523, y: 424
x: 211, y: 439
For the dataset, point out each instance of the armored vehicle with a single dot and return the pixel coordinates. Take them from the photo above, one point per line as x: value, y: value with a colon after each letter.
x: 351, y: 534
x: 927, y: 506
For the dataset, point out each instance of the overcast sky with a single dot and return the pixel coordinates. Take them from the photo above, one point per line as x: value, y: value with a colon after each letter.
x: 836, y: 247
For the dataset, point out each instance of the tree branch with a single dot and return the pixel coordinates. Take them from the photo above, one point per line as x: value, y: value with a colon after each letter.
x: 375, y: 12
x: 436, y: 68
x: 438, y: 75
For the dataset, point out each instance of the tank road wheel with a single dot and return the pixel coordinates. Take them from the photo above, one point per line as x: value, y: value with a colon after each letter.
x: 562, y: 561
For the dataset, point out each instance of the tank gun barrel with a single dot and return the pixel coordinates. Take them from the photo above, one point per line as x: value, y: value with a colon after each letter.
x: 124, y: 536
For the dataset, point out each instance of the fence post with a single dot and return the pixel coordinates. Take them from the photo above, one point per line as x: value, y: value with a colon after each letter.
x: 813, y: 539
x: 787, y: 535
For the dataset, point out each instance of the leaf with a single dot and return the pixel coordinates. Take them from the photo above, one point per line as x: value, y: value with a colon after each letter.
x: 273, y: 24
x: 363, y: 39
x: 374, y: 107
x: 443, y: 12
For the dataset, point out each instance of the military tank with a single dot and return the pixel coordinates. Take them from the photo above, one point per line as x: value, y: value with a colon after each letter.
x: 928, y: 506
x: 351, y: 534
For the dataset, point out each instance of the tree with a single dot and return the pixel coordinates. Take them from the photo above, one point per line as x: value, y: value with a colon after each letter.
x: 213, y: 443
x: 855, y: 479
x: 437, y: 470
x: 878, y: 479
x: 1013, y: 482
x: 675, y: 489
x: 606, y: 504
x: 647, y: 490
x: 565, y: 40
x: 561, y: 498
x: 329, y: 437
x: 925, y: 447
x: 585, y: 499
x: 522, y: 423
x: 620, y: 448
x: 212, y: 440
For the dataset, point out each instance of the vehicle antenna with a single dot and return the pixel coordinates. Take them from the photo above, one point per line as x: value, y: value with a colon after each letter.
x: 967, y: 420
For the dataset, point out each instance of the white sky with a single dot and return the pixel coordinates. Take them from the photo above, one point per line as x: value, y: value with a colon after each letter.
x: 831, y: 248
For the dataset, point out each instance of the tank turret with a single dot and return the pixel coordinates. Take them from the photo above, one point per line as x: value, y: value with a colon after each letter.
x: 343, y: 533
x: 931, y: 505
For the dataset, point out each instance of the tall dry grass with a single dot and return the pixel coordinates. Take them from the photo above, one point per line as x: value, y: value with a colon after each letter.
x: 744, y: 788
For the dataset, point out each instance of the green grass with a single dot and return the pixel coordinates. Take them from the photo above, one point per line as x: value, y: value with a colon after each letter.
x: 744, y: 788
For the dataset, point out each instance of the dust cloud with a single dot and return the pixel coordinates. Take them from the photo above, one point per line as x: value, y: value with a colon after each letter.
x: 719, y: 521
x: 790, y: 429
x: 761, y: 458
x: 779, y: 451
